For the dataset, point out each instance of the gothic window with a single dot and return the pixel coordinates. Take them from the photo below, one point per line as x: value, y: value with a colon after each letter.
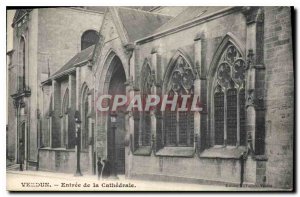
x: 179, y: 125
x: 144, y: 136
x: 229, y: 99
x: 146, y: 90
x: 65, y: 125
x: 88, y: 39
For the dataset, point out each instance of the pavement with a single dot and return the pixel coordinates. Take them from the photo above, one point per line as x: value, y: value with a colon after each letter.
x: 50, y: 181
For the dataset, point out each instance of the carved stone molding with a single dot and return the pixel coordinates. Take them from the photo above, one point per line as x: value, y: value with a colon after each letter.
x: 199, y: 36
x: 154, y: 50
x: 256, y: 102
x: 38, y: 114
x: 250, y: 99
x: 250, y: 144
x: 253, y: 14
x: 49, y: 114
x: 250, y: 59
x: 129, y: 48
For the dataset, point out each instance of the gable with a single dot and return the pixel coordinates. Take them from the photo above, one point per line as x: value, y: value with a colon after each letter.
x: 108, y: 31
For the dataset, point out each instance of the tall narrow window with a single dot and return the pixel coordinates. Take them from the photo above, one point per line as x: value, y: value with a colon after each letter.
x: 231, y: 116
x: 219, y: 116
x: 229, y: 99
x: 171, y: 125
x: 22, y: 64
x: 145, y: 121
x: 243, y: 135
x: 89, y: 38
x: 65, y: 122
x: 178, y: 124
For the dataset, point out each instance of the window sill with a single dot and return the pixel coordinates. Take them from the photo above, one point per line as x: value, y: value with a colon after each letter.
x: 58, y: 149
x: 223, y: 152
x: 260, y: 158
x: 176, y: 152
x: 143, y: 151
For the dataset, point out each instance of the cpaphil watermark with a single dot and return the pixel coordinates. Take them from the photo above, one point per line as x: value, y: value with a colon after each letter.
x: 106, y: 103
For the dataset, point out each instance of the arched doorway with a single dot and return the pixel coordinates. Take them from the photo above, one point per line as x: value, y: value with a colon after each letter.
x: 115, y: 139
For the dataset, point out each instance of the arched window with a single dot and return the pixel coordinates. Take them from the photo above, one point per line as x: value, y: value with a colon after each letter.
x: 229, y: 98
x: 65, y: 122
x: 89, y: 38
x: 85, y: 118
x: 145, y: 121
x: 179, y: 125
x: 22, y: 64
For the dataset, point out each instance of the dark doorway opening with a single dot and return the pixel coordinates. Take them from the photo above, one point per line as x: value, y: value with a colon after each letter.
x: 116, y: 146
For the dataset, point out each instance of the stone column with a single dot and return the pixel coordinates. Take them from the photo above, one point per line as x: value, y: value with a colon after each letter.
x: 156, y: 115
x: 255, y: 74
x: 56, y: 103
x: 132, y: 59
x: 199, y: 85
x: 156, y: 77
x: 255, y: 112
x: 129, y: 127
x: 72, y: 106
x: 90, y: 136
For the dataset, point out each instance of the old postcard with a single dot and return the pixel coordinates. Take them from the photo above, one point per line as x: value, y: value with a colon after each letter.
x: 150, y: 98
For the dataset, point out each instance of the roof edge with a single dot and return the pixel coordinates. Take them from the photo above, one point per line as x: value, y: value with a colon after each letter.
x: 119, y: 25
x: 58, y: 75
x: 187, y: 24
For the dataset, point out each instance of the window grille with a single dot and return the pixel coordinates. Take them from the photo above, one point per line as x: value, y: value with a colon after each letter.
x: 243, y: 135
x: 219, y: 118
x: 231, y: 117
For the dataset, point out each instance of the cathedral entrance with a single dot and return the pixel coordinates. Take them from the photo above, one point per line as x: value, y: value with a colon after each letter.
x: 116, y: 131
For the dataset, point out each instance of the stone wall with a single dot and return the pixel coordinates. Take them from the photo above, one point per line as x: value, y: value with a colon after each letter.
x: 279, y: 94
x: 53, y: 36
x: 60, y: 31
x: 62, y: 160
x: 214, y: 168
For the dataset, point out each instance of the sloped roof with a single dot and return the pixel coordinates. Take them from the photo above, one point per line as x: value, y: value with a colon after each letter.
x: 79, y: 58
x: 139, y: 23
x: 187, y: 15
x: 102, y: 8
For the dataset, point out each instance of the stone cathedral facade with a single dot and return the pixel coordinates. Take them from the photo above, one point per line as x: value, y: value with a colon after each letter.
x: 237, y: 60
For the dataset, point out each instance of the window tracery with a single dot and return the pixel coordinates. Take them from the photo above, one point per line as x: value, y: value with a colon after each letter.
x: 179, y: 125
x: 229, y: 98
